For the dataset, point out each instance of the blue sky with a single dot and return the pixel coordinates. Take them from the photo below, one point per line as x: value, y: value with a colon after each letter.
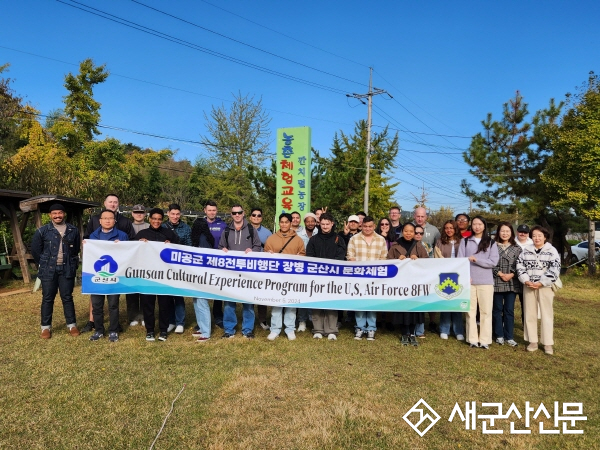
x: 447, y: 64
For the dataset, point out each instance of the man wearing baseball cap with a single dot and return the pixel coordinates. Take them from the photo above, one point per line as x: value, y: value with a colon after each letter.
x: 523, y: 238
x: 350, y: 228
x: 55, y: 248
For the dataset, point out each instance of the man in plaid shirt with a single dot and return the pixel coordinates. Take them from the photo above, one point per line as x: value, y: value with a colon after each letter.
x: 366, y: 246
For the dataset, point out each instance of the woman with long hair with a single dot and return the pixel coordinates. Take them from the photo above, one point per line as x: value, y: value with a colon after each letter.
x: 384, y: 228
x: 538, y: 268
x: 482, y: 254
x: 506, y: 284
x: 406, y: 247
x: 447, y: 247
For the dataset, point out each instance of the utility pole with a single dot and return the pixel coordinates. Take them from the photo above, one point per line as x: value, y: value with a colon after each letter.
x: 369, y: 96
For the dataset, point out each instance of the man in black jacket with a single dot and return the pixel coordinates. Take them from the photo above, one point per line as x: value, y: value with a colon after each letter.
x: 111, y: 202
x: 157, y: 233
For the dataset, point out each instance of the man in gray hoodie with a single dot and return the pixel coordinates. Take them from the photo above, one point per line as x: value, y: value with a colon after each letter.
x: 241, y: 236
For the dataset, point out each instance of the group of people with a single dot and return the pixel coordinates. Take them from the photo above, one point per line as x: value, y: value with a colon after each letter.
x: 510, y: 264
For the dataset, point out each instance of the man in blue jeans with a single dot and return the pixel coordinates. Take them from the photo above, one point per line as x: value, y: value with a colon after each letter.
x: 55, y: 248
x: 239, y: 235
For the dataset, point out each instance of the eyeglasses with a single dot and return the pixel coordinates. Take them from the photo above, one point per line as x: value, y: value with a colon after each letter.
x: 235, y: 213
x: 256, y: 215
x: 418, y: 232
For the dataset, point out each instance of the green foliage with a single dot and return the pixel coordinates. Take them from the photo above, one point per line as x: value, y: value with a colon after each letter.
x: 573, y: 171
x: 10, y: 118
x: 339, y: 180
x: 81, y: 109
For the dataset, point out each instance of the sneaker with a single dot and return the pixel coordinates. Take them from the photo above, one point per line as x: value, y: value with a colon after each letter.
x: 500, y: 341
x: 371, y: 335
x: 302, y: 326
x: 332, y: 337
x: 405, y: 339
x: 171, y: 327
x: 73, y: 331
x: 179, y: 329
x: 227, y: 336
x: 532, y: 347
x: 291, y: 335
x: 202, y: 339
x: 460, y: 337
x: 196, y: 333
x: 134, y: 323
x: 162, y: 336
x: 484, y: 346
x: 359, y: 334
x: 113, y: 337
x: 220, y: 324
x: 143, y: 323
x: 88, y: 327
x: 317, y: 336
x: 413, y: 340
x: 249, y: 335
x: 548, y: 350
x: 196, y: 328
x: 474, y: 345
x: 444, y: 336
x: 512, y: 343
x: 264, y: 325
x: 272, y: 336
x: 150, y: 336
x: 46, y: 333
x: 96, y: 336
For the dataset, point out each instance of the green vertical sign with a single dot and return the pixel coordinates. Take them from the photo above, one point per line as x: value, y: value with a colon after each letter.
x: 293, y: 170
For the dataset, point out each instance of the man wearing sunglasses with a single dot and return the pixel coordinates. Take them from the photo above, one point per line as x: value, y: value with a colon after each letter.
x: 239, y: 235
x: 256, y: 218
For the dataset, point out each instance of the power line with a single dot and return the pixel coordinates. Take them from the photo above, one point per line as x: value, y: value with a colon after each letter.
x: 285, y: 35
x: 184, y: 43
x: 245, y: 44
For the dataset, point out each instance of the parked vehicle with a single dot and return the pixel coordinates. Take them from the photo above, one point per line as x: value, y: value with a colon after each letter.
x: 580, y: 252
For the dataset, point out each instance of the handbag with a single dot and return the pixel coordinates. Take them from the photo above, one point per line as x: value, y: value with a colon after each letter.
x: 557, y: 284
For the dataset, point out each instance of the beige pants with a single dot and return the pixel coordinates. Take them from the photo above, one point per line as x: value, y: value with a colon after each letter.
x: 325, y: 321
x: 544, y: 299
x: 482, y: 295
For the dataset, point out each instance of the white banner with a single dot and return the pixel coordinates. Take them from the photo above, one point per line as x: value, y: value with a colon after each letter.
x: 275, y: 279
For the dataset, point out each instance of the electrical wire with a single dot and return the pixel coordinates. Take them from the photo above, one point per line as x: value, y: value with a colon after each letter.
x: 168, y: 414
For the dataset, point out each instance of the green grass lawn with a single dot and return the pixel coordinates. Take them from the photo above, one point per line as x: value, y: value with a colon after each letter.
x: 72, y: 393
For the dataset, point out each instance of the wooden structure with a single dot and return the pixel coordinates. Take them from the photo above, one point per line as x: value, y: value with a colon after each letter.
x: 9, y: 206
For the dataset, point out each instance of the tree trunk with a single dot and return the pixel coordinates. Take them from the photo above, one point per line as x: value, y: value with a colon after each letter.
x: 591, y: 247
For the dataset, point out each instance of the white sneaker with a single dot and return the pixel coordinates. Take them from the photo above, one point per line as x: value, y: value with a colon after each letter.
x: 359, y: 334
x: 512, y: 343
x: 272, y: 336
x: 134, y: 323
x: 264, y: 325
x: 460, y: 337
x: 171, y: 327
x: 317, y: 336
x: 179, y: 329
x: 500, y: 341
x: 143, y: 323
x: 370, y: 335
x: 291, y: 335
x: 443, y: 336
x: 332, y: 337
x: 302, y: 326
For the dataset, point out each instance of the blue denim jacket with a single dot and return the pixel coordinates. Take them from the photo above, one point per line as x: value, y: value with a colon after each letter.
x: 44, y: 249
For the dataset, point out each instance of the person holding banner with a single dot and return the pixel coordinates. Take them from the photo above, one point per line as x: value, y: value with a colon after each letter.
x: 482, y: 253
x: 106, y: 232
x: 366, y: 246
x: 157, y: 233
x: 241, y: 236
x: 256, y: 218
x: 203, y: 238
x: 447, y: 247
x: 407, y: 247
x: 328, y: 245
x: 287, y: 242
x: 310, y: 229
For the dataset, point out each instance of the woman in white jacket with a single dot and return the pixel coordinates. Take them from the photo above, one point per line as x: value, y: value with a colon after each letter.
x: 538, y: 267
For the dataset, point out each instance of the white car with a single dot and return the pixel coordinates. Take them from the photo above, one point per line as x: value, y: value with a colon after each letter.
x: 580, y: 251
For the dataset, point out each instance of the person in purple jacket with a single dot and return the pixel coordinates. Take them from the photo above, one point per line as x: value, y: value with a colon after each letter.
x: 482, y: 253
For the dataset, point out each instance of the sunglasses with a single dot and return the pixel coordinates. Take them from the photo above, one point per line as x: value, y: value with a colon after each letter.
x: 235, y: 213
x: 385, y: 224
x: 462, y: 220
x: 418, y: 232
x: 256, y: 215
